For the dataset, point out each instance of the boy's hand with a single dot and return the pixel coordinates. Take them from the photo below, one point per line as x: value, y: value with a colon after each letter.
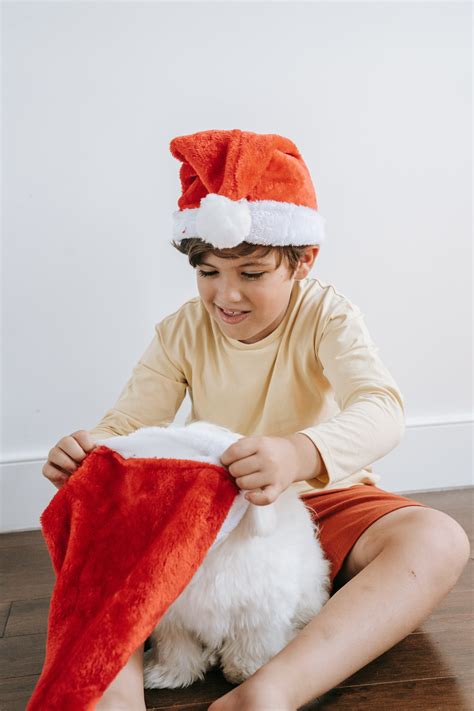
x: 66, y: 456
x: 268, y: 463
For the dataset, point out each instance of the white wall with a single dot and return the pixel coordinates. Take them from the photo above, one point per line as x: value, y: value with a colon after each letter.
x: 377, y: 98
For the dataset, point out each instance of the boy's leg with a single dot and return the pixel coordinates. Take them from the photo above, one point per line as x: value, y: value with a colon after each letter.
x: 126, y: 691
x: 402, y: 567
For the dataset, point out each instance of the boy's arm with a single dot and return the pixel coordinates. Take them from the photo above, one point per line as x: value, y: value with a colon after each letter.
x: 151, y: 397
x: 371, y: 422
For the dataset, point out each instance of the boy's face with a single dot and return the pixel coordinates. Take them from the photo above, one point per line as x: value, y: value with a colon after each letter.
x: 234, y: 284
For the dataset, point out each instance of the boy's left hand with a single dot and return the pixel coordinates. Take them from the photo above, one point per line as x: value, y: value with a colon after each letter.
x: 268, y: 463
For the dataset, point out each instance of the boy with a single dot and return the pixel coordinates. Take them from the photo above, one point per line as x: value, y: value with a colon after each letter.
x: 287, y: 361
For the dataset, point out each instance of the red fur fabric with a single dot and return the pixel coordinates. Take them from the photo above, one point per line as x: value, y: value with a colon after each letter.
x: 125, y: 537
x: 241, y: 164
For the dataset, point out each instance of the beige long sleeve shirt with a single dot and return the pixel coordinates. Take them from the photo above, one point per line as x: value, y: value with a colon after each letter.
x: 318, y: 373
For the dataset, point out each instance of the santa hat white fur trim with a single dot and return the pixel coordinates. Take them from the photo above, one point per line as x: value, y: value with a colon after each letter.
x: 224, y: 223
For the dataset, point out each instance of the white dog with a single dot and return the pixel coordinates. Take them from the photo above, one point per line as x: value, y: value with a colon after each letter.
x: 261, y: 581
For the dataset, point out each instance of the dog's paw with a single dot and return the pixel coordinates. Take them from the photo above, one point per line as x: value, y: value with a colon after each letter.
x: 213, y: 660
x: 236, y: 675
x: 160, y: 676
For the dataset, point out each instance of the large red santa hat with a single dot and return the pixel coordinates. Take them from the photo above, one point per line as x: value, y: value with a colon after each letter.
x: 241, y: 186
x: 126, y: 534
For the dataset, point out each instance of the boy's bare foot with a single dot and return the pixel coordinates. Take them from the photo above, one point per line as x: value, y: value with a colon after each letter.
x: 126, y: 692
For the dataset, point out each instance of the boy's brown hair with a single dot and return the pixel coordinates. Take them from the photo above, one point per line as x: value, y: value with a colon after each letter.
x: 195, y: 248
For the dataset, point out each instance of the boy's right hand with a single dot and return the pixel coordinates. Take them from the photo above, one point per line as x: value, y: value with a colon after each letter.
x: 66, y: 456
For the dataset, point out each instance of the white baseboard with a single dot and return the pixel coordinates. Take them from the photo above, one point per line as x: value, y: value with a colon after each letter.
x: 435, y: 453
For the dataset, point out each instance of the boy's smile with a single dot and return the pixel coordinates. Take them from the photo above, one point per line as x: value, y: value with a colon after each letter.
x: 253, y: 286
x: 232, y: 316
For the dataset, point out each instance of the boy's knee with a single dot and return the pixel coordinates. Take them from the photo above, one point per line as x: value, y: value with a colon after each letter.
x: 459, y: 543
x: 444, y: 540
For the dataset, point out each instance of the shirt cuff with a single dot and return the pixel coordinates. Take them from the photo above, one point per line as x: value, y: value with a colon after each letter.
x: 101, y: 434
x: 322, y: 480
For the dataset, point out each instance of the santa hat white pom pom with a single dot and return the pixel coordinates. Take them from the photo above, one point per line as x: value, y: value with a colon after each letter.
x: 223, y: 222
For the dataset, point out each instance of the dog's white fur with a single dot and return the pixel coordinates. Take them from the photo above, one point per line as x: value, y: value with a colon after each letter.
x: 262, y: 580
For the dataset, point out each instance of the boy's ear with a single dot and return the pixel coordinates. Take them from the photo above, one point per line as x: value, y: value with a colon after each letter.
x: 306, y: 262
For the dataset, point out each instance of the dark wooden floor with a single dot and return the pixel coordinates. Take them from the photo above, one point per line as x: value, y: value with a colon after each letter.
x: 430, y: 669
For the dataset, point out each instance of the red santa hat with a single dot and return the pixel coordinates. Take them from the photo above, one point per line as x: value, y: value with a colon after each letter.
x: 242, y: 186
x: 126, y: 534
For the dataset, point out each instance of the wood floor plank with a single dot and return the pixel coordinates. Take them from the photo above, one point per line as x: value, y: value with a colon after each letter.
x: 466, y: 581
x: 26, y: 572
x: 453, y: 613
x: 28, y: 617
x: 22, y: 656
x: 16, y: 691
x: 4, y: 613
x: 438, y: 694
x: 420, y: 656
x: 21, y: 538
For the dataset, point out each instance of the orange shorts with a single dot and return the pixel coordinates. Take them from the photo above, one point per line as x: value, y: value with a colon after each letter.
x: 344, y: 514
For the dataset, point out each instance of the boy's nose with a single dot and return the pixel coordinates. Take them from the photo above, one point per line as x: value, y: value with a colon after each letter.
x: 230, y: 297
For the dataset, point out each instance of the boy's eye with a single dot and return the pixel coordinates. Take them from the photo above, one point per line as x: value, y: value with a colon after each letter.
x: 249, y: 275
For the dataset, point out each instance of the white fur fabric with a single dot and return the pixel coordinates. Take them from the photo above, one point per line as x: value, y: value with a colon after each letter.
x: 271, y: 223
x: 261, y: 581
x: 223, y: 222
